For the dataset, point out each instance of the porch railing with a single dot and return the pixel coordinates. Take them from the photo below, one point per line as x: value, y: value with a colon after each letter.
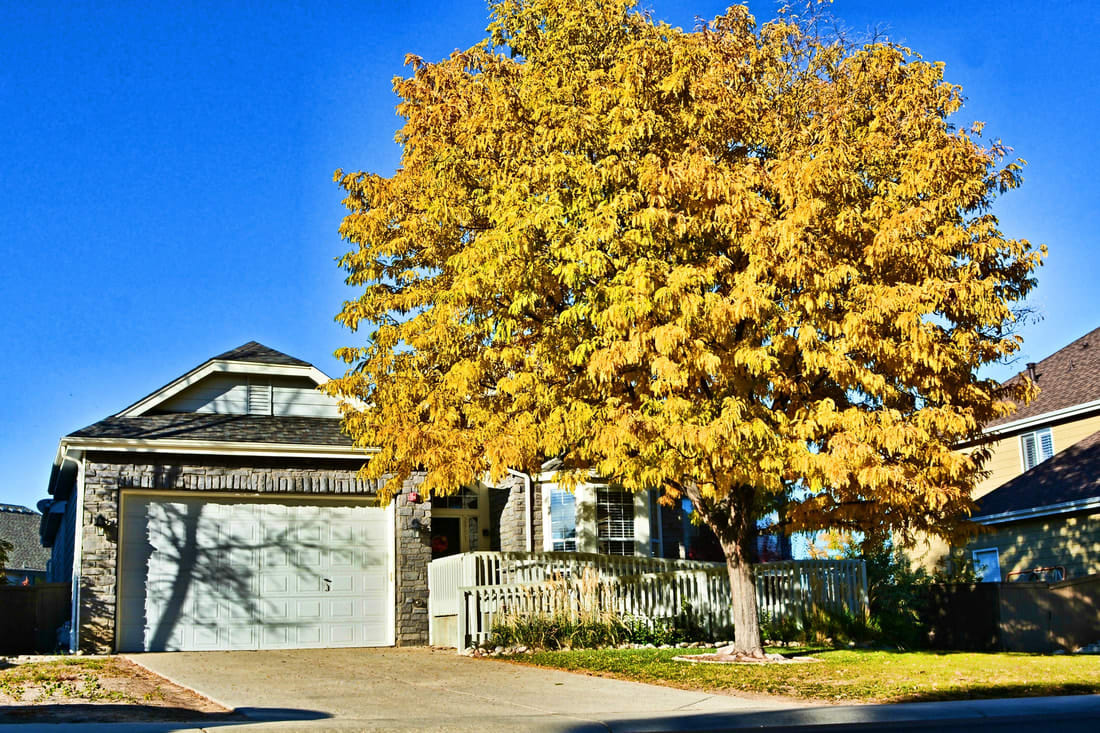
x: 472, y: 590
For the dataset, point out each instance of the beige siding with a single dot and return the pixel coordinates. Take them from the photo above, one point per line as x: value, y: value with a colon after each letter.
x: 224, y: 394
x: 1070, y: 541
x: 227, y: 394
x: 1006, y: 463
x: 301, y: 399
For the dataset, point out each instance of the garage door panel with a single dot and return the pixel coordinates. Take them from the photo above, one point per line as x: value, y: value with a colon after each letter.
x: 308, y: 583
x: 218, y: 573
x: 308, y: 636
x: 242, y: 637
x: 341, y: 609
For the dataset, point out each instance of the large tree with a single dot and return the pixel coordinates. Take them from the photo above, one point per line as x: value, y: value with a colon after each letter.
x: 739, y: 264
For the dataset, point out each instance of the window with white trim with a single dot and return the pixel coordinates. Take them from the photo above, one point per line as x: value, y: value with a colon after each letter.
x: 563, y: 520
x: 988, y: 565
x: 614, y: 521
x: 1036, y: 447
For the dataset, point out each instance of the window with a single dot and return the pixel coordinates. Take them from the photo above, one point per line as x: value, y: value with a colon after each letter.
x: 563, y: 520
x: 465, y: 499
x: 1036, y: 447
x: 614, y: 521
x: 988, y: 565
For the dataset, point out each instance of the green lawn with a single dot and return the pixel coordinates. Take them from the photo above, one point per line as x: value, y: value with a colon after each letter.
x: 848, y: 675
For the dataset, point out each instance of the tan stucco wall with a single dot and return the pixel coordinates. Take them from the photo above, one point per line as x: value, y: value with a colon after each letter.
x: 1072, y: 541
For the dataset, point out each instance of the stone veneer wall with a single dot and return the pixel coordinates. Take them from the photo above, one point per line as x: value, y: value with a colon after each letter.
x: 105, y: 475
x: 513, y: 514
x: 414, y: 552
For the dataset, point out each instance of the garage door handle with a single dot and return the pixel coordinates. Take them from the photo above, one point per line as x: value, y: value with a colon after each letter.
x: 328, y: 584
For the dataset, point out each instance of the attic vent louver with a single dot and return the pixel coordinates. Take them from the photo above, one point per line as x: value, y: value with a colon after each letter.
x: 259, y: 398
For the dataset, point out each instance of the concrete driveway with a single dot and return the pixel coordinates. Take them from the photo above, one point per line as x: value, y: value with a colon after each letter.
x: 423, y: 689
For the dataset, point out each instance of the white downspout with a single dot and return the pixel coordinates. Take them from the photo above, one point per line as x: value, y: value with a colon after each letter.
x: 78, y: 545
x: 529, y: 493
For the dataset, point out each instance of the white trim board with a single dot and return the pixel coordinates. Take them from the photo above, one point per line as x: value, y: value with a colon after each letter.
x: 1043, y: 419
x: 1065, y: 507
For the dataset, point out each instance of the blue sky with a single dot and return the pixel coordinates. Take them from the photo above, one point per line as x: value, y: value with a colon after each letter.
x: 167, y: 176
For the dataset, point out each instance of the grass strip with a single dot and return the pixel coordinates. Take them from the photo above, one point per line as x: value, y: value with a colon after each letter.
x: 846, y: 676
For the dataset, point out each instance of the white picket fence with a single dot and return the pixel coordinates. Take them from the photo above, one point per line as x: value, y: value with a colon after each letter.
x: 477, y: 588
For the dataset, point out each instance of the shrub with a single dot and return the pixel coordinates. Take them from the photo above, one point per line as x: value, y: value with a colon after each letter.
x: 541, y: 631
x: 898, y: 596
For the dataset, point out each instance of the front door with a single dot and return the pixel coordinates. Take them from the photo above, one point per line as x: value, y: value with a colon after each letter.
x: 446, y: 536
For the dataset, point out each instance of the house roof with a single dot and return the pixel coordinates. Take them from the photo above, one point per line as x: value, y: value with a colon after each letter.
x: 205, y: 427
x: 19, y: 526
x: 1068, y: 377
x: 1069, y: 478
x: 254, y: 351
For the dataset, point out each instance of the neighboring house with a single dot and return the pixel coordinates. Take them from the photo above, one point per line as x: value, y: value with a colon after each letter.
x: 1047, y: 518
x: 1040, y: 505
x: 26, y: 563
x: 223, y: 511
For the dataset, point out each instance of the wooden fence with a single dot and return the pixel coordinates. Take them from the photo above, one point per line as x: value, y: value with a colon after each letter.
x: 31, y: 615
x: 477, y: 590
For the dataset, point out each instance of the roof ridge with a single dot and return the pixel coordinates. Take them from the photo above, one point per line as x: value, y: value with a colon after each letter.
x: 254, y: 351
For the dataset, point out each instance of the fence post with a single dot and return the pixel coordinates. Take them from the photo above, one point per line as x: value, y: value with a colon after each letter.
x: 864, y: 597
x: 462, y: 623
x: 798, y: 599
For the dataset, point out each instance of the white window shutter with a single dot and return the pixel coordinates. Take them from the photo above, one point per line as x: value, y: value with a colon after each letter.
x: 1046, y: 445
x: 1030, y: 454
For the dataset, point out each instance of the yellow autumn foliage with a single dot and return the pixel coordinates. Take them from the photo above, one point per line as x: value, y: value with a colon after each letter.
x: 739, y: 264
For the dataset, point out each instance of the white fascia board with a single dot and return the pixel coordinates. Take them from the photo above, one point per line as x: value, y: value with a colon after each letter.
x: 1064, y: 507
x: 220, y: 366
x: 65, y: 451
x: 1046, y: 417
x: 137, y: 445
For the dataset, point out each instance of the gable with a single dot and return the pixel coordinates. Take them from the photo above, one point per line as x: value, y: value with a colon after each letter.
x: 249, y: 380
x: 251, y: 394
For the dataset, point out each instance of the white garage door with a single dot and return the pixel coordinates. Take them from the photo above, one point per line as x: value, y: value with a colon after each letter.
x: 211, y: 572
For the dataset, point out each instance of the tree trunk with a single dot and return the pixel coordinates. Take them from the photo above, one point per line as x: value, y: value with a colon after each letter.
x: 746, y: 620
x: 733, y: 524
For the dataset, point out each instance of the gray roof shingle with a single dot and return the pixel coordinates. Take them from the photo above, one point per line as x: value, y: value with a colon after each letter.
x: 256, y: 352
x: 19, y: 526
x: 221, y: 428
x: 1069, y: 376
x: 1071, y: 475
